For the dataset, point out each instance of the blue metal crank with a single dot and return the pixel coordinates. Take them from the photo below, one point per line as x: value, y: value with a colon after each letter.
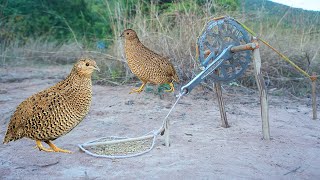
x: 226, y: 54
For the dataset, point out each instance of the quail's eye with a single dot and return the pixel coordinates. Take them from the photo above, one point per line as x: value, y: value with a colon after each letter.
x: 128, y: 33
x: 87, y: 64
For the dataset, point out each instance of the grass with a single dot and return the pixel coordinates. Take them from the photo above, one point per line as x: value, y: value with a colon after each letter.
x: 173, y: 34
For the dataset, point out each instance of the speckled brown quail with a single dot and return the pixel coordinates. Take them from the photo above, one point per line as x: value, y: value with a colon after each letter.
x: 147, y: 65
x: 54, y: 112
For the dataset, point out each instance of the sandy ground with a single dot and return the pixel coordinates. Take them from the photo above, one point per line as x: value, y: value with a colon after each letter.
x: 200, y: 148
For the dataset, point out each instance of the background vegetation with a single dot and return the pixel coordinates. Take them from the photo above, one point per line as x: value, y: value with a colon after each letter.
x: 58, y: 32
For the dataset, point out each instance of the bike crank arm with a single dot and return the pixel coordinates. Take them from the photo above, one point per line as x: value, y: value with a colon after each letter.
x: 225, y: 54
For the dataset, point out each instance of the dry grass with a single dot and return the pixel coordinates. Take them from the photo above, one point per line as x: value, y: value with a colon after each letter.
x: 174, y: 35
x: 38, y: 51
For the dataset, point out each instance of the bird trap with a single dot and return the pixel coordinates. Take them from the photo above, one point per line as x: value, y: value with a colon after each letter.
x: 224, y: 47
x: 119, y: 147
x: 123, y: 147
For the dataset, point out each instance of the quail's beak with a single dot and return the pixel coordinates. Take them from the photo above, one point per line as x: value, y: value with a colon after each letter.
x: 122, y: 34
x: 96, y: 68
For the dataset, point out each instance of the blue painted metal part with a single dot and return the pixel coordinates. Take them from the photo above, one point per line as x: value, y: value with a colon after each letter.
x: 226, y: 53
x: 217, y: 38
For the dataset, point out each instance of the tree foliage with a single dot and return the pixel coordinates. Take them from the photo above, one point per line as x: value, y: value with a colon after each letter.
x: 86, y: 20
x: 58, y: 19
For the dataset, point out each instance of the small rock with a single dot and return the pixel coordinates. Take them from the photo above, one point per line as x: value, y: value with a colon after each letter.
x: 130, y: 102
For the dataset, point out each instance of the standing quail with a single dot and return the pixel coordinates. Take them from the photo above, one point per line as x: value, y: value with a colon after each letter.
x: 147, y: 65
x: 54, y: 112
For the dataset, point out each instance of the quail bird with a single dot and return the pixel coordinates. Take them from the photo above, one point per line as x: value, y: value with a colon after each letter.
x: 147, y: 65
x: 54, y: 112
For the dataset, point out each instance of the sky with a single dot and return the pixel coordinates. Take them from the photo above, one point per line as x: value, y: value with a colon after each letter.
x: 304, y: 4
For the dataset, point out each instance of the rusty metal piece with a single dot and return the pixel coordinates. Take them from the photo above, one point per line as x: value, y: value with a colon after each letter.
x: 313, y: 77
x: 206, y: 53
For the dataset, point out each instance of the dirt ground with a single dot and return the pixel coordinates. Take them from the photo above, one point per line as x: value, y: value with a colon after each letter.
x: 200, y: 148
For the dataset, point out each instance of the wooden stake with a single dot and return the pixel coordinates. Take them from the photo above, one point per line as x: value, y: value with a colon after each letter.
x: 263, y: 93
x: 166, y: 133
x: 223, y: 115
x: 314, y: 96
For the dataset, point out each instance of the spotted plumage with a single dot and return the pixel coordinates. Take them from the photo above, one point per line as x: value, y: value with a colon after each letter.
x: 147, y: 65
x: 54, y: 112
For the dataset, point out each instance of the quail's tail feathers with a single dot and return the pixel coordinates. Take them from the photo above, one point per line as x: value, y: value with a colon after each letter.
x: 7, y: 138
x: 10, y: 136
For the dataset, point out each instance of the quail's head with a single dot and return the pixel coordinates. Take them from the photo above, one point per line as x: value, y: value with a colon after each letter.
x: 86, y: 66
x: 129, y: 34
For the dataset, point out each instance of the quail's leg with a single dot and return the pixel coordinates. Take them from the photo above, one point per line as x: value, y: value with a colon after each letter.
x: 140, y: 89
x: 41, y: 148
x: 55, y: 148
x: 171, y: 88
